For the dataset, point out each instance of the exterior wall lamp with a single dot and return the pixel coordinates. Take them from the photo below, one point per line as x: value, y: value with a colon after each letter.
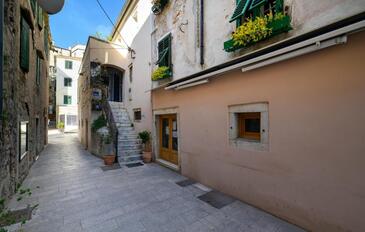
x: 51, y: 6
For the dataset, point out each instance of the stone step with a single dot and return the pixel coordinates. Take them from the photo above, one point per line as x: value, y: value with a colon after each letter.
x: 127, y: 151
x: 136, y: 141
x: 123, y: 124
x: 122, y: 138
x: 130, y: 158
x: 126, y: 129
x: 131, y: 162
x: 129, y: 146
x: 127, y: 132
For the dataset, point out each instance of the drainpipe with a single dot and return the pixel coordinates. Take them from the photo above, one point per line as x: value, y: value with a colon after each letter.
x: 2, y: 53
x: 201, y: 32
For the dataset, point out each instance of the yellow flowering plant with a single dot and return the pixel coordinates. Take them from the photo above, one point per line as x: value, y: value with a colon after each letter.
x: 161, y: 73
x: 253, y: 30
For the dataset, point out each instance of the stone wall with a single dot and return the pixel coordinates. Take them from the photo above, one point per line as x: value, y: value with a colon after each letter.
x: 23, y: 100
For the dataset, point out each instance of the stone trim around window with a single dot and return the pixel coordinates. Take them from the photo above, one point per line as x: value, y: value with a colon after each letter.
x: 235, y: 141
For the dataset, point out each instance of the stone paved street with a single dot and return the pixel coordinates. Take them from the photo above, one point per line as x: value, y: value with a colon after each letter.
x: 75, y: 194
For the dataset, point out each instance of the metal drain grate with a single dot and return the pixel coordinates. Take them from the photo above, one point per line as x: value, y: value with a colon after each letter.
x: 186, y: 182
x: 217, y: 199
x: 134, y: 165
x: 111, y: 167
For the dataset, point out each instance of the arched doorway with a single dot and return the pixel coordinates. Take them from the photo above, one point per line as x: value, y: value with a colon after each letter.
x: 114, y: 79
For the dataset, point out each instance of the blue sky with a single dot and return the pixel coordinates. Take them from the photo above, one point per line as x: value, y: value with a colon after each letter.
x: 81, y: 18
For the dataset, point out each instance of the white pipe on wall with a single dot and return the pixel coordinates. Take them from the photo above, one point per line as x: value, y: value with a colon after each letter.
x: 296, y: 53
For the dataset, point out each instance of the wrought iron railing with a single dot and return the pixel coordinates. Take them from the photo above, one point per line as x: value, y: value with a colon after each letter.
x: 112, y: 125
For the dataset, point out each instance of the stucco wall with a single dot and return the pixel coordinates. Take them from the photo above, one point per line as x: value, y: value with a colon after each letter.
x: 312, y: 174
x: 141, y: 84
x: 181, y: 19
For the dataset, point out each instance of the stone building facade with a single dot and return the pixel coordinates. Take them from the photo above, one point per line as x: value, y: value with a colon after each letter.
x: 24, y: 120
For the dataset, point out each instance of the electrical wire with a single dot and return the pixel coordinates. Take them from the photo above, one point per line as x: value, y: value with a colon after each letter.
x: 110, y: 20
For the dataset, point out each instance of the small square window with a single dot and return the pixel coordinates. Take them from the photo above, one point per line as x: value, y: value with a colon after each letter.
x: 137, y: 114
x: 249, y: 125
x: 67, y: 100
x: 68, y: 64
x: 68, y: 82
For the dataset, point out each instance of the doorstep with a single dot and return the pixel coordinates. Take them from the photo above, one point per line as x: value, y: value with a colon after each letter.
x: 168, y: 164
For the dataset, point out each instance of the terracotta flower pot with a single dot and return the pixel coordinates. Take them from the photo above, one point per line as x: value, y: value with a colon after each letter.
x: 147, y: 156
x: 109, y: 159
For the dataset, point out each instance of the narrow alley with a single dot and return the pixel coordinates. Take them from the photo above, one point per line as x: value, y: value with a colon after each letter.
x: 75, y: 194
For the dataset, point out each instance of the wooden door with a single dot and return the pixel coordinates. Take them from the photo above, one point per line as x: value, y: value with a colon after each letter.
x: 169, y: 138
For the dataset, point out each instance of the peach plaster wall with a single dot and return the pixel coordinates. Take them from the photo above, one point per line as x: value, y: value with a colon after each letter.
x: 313, y: 173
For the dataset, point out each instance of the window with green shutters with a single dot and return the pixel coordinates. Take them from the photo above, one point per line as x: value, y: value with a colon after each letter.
x: 67, y: 100
x: 33, y: 4
x: 40, y: 17
x: 254, y: 8
x: 67, y: 82
x: 24, y: 44
x: 46, y: 41
x: 164, y: 52
x: 38, y: 70
x: 68, y: 64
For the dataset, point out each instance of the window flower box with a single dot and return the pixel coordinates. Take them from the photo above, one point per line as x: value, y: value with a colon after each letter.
x: 277, y: 26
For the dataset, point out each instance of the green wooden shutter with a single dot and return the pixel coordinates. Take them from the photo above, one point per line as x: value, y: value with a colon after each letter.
x: 257, y: 3
x: 240, y: 11
x: 164, y: 52
x: 24, y: 45
x: 279, y: 6
x: 38, y: 70
x: 40, y: 17
x: 33, y: 4
x: 46, y: 48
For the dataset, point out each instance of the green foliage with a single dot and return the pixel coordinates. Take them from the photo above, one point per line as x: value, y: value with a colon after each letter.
x: 98, y: 123
x: 145, y: 136
x: 161, y: 73
x: 60, y: 125
x: 7, y: 217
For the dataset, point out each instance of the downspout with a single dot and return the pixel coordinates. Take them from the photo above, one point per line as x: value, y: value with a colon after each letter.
x: 2, y: 54
x: 201, y: 32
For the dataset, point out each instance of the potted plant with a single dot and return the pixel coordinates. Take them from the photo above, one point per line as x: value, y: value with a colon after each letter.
x: 145, y: 136
x: 61, y: 126
x: 161, y: 73
x: 109, y: 156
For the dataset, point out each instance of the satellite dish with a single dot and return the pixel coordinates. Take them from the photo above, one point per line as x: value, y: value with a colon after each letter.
x: 51, y: 6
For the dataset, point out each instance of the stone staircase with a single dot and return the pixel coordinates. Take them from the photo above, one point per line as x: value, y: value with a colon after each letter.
x: 129, y: 145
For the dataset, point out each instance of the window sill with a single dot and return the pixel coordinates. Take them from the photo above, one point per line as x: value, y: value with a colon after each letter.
x: 248, y: 144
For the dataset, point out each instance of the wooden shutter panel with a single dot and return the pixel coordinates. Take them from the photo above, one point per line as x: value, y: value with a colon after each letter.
x: 40, y: 17
x: 279, y: 6
x: 257, y: 3
x: 46, y: 42
x: 240, y: 10
x: 33, y: 4
x: 164, y: 52
x: 24, y: 45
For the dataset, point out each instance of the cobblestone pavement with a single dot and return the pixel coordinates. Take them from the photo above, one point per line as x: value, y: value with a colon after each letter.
x: 75, y: 194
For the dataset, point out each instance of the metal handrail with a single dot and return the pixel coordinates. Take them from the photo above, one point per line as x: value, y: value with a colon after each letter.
x: 113, y: 127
